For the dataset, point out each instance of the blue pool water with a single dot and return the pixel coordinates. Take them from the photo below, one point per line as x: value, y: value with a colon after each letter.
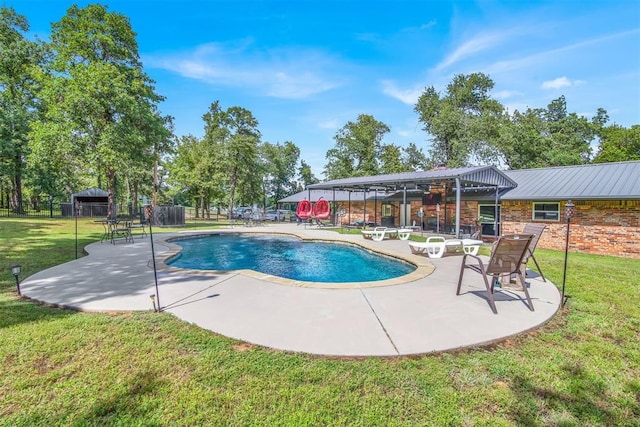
x: 287, y: 257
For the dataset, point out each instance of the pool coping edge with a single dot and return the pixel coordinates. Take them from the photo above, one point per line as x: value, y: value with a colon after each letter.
x: 423, y: 266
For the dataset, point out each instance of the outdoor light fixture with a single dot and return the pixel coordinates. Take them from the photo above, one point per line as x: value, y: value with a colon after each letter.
x: 153, y: 301
x: 569, y: 212
x: 15, y: 270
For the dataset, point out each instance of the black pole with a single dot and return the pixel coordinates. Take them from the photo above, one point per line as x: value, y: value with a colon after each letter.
x: 149, y: 214
x: 155, y: 270
x: 18, y: 285
x: 77, y: 213
x: 566, y: 252
x: 335, y: 214
x: 50, y: 207
x: 569, y: 212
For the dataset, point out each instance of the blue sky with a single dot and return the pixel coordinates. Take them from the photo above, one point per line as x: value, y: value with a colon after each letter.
x: 305, y: 68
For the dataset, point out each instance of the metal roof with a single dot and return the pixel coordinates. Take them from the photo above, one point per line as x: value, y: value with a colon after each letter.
x: 91, y: 192
x: 604, y: 181
x: 469, y: 176
x: 601, y: 181
x: 483, y: 195
x: 340, y: 196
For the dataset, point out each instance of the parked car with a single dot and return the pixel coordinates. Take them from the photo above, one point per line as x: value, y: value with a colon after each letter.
x: 241, y: 212
x: 274, y: 215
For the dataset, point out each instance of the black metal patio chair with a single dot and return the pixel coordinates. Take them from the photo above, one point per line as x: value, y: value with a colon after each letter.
x: 506, y: 259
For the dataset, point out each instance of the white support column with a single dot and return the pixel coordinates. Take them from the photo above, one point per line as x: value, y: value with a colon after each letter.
x: 496, y: 217
x: 458, y: 206
x: 364, y: 210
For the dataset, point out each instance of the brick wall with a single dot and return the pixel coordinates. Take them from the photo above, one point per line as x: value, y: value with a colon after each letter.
x: 375, y: 213
x: 357, y: 213
x: 598, y: 227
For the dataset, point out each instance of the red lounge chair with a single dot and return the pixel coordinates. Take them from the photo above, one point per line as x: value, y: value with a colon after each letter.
x: 321, y: 210
x: 304, y: 210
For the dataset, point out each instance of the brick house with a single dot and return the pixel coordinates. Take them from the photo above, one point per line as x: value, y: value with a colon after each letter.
x: 463, y: 200
x: 607, y: 206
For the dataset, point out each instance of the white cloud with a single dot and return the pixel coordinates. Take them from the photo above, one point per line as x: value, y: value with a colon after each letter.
x: 475, y: 45
x: 281, y: 73
x: 544, y: 58
x: 558, y: 83
x: 407, y: 96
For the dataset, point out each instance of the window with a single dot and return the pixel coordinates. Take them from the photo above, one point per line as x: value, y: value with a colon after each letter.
x: 386, y: 210
x: 487, y: 214
x: 546, y: 211
x: 431, y: 199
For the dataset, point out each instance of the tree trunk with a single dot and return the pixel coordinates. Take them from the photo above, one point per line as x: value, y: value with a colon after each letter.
x: 136, y: 209
x: 16, y: 202
x: 111, y: 184
x: 127, y: 199
x: 234, y: 181
x: 154, y: 201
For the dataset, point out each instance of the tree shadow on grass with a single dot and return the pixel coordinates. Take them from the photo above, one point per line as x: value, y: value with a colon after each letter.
x: 584, y: 396
x: 128, y: 403
x: 14, y: 311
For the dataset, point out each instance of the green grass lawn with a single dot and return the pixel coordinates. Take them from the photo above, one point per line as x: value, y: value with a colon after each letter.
x: 61, y: 367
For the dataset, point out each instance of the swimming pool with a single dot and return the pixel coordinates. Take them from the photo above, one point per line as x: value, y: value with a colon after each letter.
x: 287, y: 257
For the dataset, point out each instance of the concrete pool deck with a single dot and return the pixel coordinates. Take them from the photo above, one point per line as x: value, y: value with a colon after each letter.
x: 417, y: 314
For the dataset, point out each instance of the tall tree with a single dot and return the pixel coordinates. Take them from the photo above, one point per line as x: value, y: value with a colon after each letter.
x: 461, y: 121
x: 395, y: 159
x: 618, y: 144
x: 147, y: 170
x: 357, y: 150
x: 280, y: 166
x: 570, y: 135
x: 547, y: 137
x: 194, y: 169
x: 523, y: 139
x: 235, y: 134
x: 100, y: 105
x: 391, y: 159
x: 19, y: 60
x: 306, y: 176
x: 415, y: 159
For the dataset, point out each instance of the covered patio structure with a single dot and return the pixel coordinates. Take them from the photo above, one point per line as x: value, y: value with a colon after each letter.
x: 440, y: 180
x: 343, y: 201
